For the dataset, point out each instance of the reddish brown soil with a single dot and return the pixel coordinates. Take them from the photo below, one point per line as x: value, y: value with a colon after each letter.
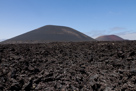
x: 94, y: 66
x: 109, y: 38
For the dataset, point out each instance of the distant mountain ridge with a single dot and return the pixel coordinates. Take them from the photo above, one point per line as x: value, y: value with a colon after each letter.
x: 51, y: 33
x: 109, y: 38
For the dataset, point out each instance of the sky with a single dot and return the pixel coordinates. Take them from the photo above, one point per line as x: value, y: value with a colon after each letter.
x: 91, y: 17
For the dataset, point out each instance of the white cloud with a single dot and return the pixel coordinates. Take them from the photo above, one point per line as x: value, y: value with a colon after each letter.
x: 119, y: 31
x: 117, y: 28
x: 2, y: 40
x: 130, y: 36
x: 96, y: 33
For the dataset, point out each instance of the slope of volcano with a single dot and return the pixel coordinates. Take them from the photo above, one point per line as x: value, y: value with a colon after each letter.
x: 109, y: 38
x: 51, y: 33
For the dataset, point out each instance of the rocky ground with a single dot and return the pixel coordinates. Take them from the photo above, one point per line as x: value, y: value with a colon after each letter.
x: 82, y: 66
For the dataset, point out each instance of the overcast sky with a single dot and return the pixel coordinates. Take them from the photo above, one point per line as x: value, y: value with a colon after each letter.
x: 92, y: 17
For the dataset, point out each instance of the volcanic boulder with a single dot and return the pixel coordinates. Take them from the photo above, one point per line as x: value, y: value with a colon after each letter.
x: 51, y: 33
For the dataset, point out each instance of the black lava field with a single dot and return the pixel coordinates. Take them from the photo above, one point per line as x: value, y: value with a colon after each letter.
x: 68, y: 66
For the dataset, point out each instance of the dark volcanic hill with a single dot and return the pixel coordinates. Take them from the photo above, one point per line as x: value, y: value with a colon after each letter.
x: 109, y: 38
x: 51, y: 33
